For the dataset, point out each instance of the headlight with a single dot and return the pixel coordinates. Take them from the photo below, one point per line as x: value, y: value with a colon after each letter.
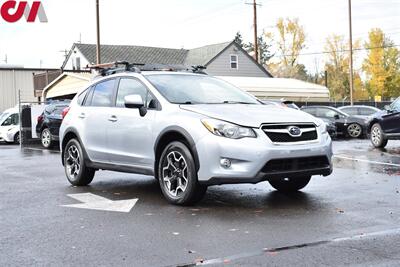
x: 228, y: 130
x: 322, y: 128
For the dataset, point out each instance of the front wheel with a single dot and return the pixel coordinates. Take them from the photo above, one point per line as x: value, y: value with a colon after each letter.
x: 378, y: 140
x: 76, y: 170
x: 17, y: 139
x: 292, y: 184
x: 354, y: 130
x: 178, y: 176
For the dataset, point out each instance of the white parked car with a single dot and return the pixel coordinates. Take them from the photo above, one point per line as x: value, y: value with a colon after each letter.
x: 9, y: 126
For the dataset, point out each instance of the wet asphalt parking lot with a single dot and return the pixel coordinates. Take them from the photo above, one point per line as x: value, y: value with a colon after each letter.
x: 349, y: 218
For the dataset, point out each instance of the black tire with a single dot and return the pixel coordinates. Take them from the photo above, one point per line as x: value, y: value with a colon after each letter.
x: 178, y: 176
x: 289, y: 185
x: 46, y: 139
x: 73, y: 156
x: 378, y: 140
x: 354, y: 130
x: 17, y: 139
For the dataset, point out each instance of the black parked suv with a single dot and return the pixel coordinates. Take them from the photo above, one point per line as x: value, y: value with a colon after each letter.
x: 49, y: 122
x: 385, y: 125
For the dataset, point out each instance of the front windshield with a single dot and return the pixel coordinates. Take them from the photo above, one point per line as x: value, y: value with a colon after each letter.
x: 396, y: 104
x: 199, y: 89
x: 3, y: 116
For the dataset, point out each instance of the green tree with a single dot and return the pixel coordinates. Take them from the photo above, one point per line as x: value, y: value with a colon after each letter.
x: 263, y: 47
x: 264, y: 50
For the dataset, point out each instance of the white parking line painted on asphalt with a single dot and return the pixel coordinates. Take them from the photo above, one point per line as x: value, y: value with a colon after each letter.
x: 95, y: 202
x: 368, y: 161
x: 231, y: 259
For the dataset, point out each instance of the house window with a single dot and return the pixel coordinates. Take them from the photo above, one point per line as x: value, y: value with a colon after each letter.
x: 234, y: 62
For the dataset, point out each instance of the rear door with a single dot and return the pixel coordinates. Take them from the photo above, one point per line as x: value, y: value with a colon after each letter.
x: 95, y: 117
x: 129, y: 135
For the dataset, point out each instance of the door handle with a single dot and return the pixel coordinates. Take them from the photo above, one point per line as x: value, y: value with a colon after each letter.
x: 82, y: 116
x: 113, y: 118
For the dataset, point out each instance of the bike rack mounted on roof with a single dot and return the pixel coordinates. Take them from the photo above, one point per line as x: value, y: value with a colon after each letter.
x: 107, y: 69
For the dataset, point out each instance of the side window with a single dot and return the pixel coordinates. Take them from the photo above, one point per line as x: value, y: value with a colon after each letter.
x: 311, y: 111
x: 351, y: 111
x: 12, y: 120
x: 81, y: 97
x: 134, y: 87
x: 326, y: 113
x: 367, y: 111
x: 103, y: 94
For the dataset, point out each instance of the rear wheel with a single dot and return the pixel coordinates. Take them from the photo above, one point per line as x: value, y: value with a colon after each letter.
x: 378, y: 140
x: 178, y: 176
x: 46, y: 139
x: 292, y: 184
x: 76, y: 170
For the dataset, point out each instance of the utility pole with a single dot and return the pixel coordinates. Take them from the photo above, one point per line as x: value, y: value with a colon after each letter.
x: 351, y: 56
x: 98, y: 52
x: 255, y: 30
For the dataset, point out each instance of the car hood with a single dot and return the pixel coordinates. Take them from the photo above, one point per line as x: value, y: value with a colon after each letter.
x: 251, y: 115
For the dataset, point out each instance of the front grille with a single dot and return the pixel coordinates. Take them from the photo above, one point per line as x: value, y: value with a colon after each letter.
x: 279, y: 133
x: 296, y: 164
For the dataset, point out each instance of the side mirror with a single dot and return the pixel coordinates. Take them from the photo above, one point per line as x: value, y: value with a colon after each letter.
x: 337, y: 117
x: 134, y: 101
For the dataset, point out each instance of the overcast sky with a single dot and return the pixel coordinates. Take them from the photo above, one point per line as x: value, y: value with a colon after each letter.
x: 185, y: 24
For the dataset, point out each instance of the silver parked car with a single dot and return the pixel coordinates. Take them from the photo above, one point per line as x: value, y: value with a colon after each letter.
x: 190, y: 131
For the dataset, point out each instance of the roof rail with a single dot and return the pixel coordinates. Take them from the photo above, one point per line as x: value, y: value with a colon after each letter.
x: 106, y: 69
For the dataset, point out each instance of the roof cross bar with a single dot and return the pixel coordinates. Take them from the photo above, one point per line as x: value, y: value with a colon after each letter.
x: 106, y: 69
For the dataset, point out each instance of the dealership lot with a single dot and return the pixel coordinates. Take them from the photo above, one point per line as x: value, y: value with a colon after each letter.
x: 351, y: 217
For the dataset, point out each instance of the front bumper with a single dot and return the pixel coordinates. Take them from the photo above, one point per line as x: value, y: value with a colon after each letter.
x: 258, y: 159
x: 7, y: 137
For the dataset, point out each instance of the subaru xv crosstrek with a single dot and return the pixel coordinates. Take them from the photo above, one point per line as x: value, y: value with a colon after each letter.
x: 189, y: 131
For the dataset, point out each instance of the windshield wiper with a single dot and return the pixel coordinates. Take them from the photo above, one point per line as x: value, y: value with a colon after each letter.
x: 238, y: 102
x: 184, y: 103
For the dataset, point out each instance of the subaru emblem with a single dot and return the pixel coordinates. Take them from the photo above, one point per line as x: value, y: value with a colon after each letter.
x: 294, y: 131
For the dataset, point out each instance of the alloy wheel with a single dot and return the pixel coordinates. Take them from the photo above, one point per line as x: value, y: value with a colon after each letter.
x: 73, y: 162
x: 46, y: 138
x: 376, y: 135
x: 174, y: 174
x: 354, y: 130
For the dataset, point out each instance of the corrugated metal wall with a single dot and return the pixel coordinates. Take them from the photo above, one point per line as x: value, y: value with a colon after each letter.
x: 10, y: 82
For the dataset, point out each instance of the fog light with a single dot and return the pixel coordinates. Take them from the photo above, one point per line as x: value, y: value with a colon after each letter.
x: 226, y: 163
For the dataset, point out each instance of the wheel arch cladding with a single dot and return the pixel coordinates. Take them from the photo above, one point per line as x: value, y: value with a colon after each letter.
x: 172, y: 134
x: 68, y: 136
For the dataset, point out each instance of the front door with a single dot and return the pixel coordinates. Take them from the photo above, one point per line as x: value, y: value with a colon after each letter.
x: 391, y: 121
x: 130, y: 135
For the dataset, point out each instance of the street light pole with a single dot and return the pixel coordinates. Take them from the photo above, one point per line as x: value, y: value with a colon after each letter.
x: 351, y: 56
x: 98, y: 52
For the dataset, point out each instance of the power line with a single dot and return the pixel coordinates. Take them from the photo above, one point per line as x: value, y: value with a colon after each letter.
x: 343, y: 51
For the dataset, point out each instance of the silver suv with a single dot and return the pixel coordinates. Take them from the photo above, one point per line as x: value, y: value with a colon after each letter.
x: 189, y: 131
